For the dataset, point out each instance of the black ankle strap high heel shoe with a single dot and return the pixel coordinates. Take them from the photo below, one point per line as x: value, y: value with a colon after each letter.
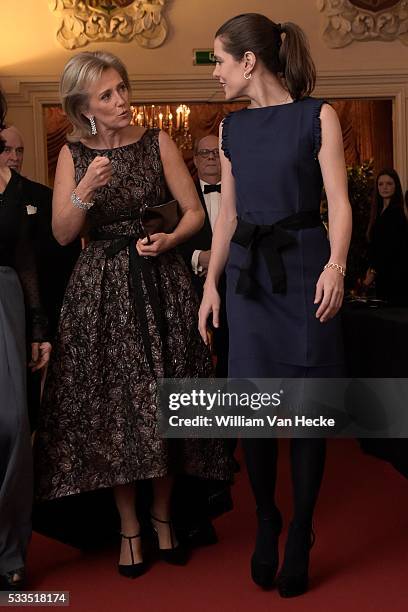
x: 135, y: 569
x: 265, y: 559
x: 293, y: 579
x: 176, y: 555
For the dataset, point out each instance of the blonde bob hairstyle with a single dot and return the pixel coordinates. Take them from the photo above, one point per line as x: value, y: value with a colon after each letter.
x: 82, y: 71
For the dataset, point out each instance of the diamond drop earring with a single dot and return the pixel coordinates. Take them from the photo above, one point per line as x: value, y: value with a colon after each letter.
x: 93, y: 126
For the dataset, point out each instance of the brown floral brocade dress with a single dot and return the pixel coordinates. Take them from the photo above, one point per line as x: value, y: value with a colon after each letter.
x: 99, y: 420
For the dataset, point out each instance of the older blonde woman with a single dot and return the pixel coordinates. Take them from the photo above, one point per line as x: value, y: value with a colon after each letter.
x: 129, y: 314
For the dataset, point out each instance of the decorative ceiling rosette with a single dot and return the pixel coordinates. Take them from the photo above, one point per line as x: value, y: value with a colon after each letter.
x: 364, y: 20
x: 86, y: 21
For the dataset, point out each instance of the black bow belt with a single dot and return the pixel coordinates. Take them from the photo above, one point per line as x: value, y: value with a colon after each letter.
x: 270, y: 240
x: 140, y: 268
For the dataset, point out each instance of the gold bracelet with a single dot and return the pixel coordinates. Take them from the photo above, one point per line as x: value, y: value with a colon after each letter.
x: 335, y: 266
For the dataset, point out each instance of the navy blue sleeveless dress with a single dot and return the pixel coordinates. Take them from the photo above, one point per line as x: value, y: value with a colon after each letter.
x: 273, y: 151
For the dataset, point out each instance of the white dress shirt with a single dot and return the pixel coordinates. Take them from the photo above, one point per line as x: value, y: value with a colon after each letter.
x: 212, y: 203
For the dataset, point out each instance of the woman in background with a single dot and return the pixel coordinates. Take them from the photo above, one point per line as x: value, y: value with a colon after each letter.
x: 387, y: 235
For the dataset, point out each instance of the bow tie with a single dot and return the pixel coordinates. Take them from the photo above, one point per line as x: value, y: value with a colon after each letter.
x: 211, y: 188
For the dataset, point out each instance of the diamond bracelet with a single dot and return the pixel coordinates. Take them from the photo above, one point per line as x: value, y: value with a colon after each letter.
x: 335, y: 266
x: 78, y: 203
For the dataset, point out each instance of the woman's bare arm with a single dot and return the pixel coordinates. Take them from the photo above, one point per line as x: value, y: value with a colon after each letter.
x: 67, y: 220
x: 183, y: 190
x: 223, y: 231
x: 330, y: 286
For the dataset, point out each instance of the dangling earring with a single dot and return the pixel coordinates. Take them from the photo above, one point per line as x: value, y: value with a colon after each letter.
x: 93, y: 126
x: 247, y: 77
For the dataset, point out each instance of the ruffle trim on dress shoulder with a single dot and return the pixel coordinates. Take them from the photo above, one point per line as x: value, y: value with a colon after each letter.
x: 224, y: 143
x: 317, y: 127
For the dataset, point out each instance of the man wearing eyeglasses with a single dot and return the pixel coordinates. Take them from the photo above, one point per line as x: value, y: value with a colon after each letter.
x: 55, y: 263
x: 197, y: 250
x: 207, y: 162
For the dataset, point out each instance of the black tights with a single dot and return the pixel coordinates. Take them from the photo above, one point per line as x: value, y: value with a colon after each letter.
x: 307, y: 465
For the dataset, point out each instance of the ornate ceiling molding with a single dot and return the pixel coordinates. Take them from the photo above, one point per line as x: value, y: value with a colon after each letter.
x: 86, y: 21
x: 364, y: 20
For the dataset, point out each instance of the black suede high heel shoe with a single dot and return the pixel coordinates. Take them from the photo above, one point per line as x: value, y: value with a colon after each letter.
x: 135, y: 569
x: 293, y: 579
x: 265, y: 559
x: 176, y: 555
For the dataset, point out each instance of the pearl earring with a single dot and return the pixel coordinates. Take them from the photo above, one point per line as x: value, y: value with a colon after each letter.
x: 247, y: 76
x: 93, y: 126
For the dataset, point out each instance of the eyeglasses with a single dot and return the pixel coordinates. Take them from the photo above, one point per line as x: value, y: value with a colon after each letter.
x: 207, y: 152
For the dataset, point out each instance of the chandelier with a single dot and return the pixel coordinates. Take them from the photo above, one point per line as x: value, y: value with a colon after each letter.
x: 174, y: 121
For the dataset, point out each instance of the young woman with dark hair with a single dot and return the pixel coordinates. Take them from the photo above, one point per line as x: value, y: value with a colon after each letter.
x: 387, y: 235
x: 284, y: 277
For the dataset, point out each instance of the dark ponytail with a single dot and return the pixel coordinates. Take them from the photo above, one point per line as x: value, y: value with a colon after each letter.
x: 283, y: 49
x: 296, y: 61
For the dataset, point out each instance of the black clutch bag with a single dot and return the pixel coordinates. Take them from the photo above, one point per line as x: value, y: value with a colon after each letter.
x: 160, y: 219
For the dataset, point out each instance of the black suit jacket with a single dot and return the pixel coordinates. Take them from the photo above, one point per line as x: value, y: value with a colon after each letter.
x: 54, y: 266
x: 55, y: 262
x: 199, y: 242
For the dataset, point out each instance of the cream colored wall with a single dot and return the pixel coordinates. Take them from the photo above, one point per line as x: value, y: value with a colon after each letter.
x: 31, y: 59
x: 29, y: 46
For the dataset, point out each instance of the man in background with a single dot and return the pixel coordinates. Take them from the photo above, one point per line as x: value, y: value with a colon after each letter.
x: 196, y: 251
x: 54, y: 262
